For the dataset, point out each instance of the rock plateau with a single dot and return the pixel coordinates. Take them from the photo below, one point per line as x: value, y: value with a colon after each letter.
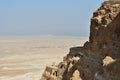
x: 99, y: 58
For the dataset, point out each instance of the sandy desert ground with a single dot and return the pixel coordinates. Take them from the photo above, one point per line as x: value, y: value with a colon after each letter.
x: 25, y: 57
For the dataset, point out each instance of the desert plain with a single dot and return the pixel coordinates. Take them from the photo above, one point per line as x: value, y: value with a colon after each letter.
x: 25, y: 57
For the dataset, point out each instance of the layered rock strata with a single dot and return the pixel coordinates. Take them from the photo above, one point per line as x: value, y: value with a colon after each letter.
x: 99, y: 58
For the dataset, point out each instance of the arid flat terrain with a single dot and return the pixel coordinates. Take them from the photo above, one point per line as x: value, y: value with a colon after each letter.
x: 25, y: 57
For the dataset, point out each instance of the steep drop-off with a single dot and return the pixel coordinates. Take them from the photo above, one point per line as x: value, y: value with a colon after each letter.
x: 99, y: 58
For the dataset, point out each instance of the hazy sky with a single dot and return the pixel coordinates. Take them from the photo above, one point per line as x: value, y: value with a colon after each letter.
x: 46, y: 17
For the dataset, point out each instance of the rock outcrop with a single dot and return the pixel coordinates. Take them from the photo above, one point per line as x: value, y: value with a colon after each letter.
x: 99, y: 58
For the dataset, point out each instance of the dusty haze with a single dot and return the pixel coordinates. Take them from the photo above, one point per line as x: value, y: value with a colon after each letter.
x: 25, y: 57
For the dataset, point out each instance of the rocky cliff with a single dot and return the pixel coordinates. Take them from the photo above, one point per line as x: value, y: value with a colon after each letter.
x: 99, y: 58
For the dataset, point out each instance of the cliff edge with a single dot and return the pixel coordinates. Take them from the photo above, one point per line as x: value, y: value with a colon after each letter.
x: 99, y: 58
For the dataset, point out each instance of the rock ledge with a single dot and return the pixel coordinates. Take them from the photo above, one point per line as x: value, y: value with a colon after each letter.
x: 99, y: 58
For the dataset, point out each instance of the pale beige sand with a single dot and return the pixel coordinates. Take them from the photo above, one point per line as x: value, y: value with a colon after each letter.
x: 25, y: 57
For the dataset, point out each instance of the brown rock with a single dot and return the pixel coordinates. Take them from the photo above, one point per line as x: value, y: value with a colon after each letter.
x: 99, y: 58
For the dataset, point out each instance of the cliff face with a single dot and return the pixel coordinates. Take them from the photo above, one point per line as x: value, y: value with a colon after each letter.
x: 99, y: 58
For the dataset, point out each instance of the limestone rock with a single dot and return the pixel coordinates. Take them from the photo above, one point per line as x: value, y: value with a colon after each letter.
x: 99, y: 58
x: 107, y: 60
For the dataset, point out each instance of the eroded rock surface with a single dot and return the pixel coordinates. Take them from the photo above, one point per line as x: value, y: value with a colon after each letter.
x: 99, y: 58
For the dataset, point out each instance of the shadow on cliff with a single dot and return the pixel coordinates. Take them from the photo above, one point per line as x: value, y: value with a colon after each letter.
x: 108, y: 44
